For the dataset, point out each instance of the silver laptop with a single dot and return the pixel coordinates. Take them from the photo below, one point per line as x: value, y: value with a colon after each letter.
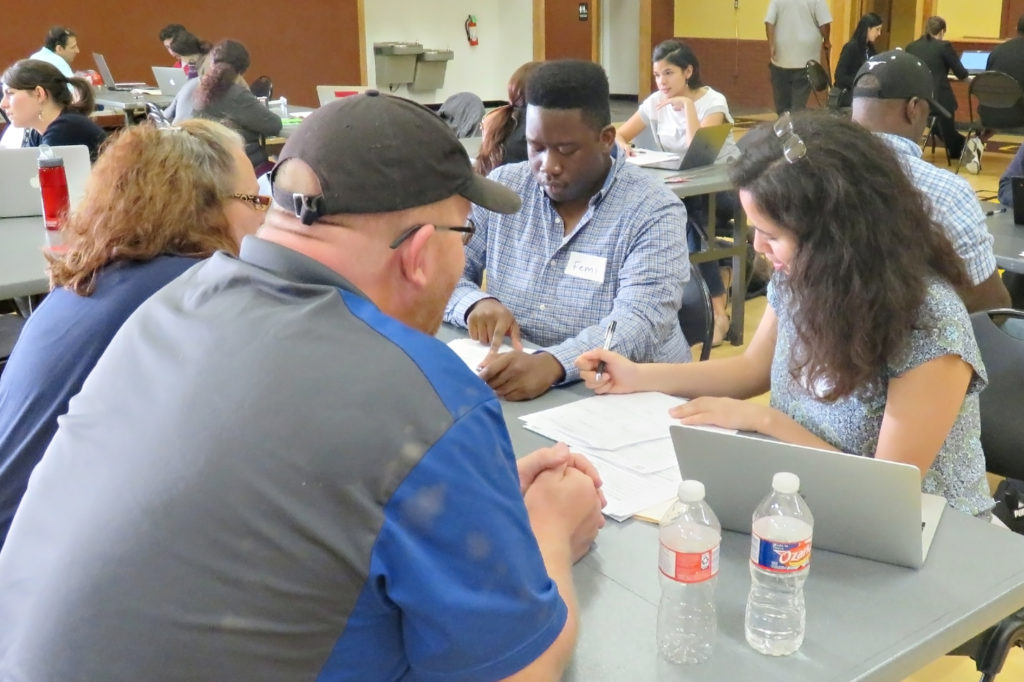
x: 975, y: 61
x: 170, y: 79
x: 108, y: 78
x: 862, y: 506
x: 19, y: 179
x: 703, y: 149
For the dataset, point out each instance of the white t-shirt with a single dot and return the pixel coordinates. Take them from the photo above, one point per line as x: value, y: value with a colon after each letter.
x: 797, y: 32
x: 48, y: 55
x: 669, y: 126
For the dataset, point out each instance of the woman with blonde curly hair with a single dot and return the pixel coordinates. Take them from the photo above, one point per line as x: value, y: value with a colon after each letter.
x: 157, y: 201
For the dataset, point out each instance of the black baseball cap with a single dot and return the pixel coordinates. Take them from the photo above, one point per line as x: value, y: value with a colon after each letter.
x: 376, y: 153
x: 900, y: 75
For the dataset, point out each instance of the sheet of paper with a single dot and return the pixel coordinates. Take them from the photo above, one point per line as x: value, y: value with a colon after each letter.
x: 628, y: 492
x: 473, y: 352
x: 646, y: 157
x: 607, y: 422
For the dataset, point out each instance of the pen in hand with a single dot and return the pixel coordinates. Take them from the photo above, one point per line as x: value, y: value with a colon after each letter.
x: 608, y: 337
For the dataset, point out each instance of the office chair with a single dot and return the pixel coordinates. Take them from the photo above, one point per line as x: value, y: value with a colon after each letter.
x: 931, y: 136
x: 463, y: 113
x: 819, y: 78
x: 1000, y: 104
x: 262, y: 87
x: 10, y: 329
x: 1000, y: 336
x: 696, y: 316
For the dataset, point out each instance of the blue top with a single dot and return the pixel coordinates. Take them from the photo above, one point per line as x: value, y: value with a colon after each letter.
x: 852, y: 423
x: 57, y: 349
x: 266, y: 478
x: 67, y: 129
x: 626, y: 261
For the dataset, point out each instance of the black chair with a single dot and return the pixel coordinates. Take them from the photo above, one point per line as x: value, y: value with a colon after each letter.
x: 10, y: 329
x: 819, y: 78
x: 930, y: 135
x: 262, y: 87
x: 696, y: 316
x: 156, y: 115
x: 1000, y: 104
x: 1000, y: 336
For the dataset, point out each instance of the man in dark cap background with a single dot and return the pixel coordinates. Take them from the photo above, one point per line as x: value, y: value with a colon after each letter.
x: 276, y: 473
x: 891, y: 97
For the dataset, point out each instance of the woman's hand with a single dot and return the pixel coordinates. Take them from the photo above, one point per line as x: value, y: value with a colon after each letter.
x: 619, y: 375
x: 679, y: 103
x: 727, y: 413
x: 625, y: 147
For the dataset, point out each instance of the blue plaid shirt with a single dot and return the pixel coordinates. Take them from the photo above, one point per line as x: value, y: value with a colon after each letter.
x: 633, y: 222
x: 953, y: 205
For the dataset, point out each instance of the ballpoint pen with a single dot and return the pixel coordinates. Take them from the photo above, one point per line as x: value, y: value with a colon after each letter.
x: 608, y: 336
x: 994, y: 211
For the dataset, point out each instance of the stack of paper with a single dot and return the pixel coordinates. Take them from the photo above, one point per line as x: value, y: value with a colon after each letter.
x: 648, y: 157
x: 627, y: 439
x: 473, y: 352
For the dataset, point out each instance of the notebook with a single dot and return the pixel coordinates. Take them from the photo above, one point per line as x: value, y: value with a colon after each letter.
x: 170, y: 79
x: 863, y: 507
x: 108, y: 78
x: 703, y: 150
x: 19, y: 178
x: 975, y: 61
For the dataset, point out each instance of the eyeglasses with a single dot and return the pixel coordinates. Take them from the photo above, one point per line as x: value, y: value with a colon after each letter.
x: 258, y: 202
x: 467, y: 231
x: 793, y: 148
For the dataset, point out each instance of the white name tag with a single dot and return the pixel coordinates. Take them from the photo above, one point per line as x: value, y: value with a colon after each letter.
x: 585, y: 266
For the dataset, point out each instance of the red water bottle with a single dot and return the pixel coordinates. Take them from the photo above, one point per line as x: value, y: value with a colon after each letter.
x: 53, y: 183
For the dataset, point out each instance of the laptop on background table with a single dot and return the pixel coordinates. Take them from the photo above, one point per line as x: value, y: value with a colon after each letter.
x: 862, y: 506
x: 170, y: 79
x: 975, y: 61
x: 19, y: 178
x: 703, y: 151
x: 108, y: 78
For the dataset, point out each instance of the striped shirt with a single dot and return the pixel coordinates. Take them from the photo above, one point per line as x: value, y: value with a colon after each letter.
x: 631, y: 241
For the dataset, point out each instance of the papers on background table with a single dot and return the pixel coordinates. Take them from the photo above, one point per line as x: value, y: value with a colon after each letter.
x: 646, y: 157
x: 473, y: 352
x: 627, y: 439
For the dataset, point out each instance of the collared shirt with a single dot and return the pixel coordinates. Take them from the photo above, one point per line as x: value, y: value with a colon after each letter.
x: 953, y: 205
x: 626, y: 261
x: 47, y: 55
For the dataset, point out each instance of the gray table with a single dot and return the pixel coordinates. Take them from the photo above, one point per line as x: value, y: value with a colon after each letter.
x: 865, y: 620
x: 1009, y: 239
x: 22, y: 266
x: 122, y: 100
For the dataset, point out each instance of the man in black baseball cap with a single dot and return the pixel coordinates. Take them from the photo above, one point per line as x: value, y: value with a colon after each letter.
x: 892, y: 97
x: 275, y: 474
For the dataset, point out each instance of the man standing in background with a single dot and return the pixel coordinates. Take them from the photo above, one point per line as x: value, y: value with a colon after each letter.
x: 797, y: 32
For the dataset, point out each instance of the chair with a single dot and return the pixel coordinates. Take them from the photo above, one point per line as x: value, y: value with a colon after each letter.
x: 262, y: 87
x: 931, y: 136
x: 1000, y: 104
x: 819, y: 78
x: 156, y: 115
x: 1002, y: 439
x: 696, y: 316
x: 329, y: 93
x: 463, y: 113
x: 10, y: 329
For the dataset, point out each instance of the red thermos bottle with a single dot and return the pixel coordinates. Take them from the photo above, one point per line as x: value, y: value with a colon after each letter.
x: 53, y: 184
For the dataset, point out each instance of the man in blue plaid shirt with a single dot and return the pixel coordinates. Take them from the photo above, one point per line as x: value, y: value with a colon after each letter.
x: 597, y: 241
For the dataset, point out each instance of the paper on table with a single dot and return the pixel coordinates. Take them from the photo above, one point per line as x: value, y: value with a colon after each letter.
x: 628, y: 492
x: 645, y: 157
x: 608, y: 422
x: 473, y: 352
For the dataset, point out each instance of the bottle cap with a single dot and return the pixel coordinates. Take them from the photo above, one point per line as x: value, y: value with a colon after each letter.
x: 691, y: 491
x: 786, y: 483
x: 54, y: 162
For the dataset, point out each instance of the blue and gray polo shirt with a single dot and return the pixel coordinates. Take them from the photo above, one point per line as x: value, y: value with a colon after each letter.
x: 266, y: 478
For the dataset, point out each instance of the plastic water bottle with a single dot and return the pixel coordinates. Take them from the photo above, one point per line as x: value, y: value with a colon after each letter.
x: 780, y: 558
x: 690, y: 539
x: 284, y: 107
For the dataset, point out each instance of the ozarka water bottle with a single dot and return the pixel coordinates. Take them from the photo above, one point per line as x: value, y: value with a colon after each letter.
x: 780, y: 557
x: 53, y: 185
x: 690, y: 537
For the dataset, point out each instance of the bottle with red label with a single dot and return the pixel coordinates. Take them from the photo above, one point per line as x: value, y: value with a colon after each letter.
x: 690, y: 538
x: 53, y: 185
x: 780, y: 558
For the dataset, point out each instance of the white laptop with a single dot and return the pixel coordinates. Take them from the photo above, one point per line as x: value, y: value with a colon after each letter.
x: 329, y: 93
x: 19, y: 178
x: 975, y: 61
x: 170, y: 79
x: 108, y: 78
x: 703, y: 150
x: 862, y: 506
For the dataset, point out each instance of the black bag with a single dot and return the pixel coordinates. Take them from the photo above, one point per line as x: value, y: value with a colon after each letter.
x: 1010, y: 504
x: 838, y: 97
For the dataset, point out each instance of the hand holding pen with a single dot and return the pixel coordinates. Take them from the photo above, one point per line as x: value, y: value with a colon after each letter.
x: 609, y: 336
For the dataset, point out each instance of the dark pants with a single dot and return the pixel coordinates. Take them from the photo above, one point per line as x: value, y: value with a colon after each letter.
x: 945, y: 128
x: 790, y: 88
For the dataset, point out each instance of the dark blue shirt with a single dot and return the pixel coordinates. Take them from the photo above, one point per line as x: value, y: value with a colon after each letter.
x: 67, y: 129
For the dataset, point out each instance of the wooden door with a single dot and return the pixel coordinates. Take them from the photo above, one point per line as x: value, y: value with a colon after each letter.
x: 566, y: 29
x: 1012, y: 10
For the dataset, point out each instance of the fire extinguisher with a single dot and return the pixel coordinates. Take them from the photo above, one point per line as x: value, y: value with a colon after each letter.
x: 471, y: 31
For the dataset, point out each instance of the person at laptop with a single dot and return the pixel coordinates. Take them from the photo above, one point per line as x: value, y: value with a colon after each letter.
x: 221, y: 94
x: 60, y: 49
x: 865, y: 345
x: 892, y: 96
x: 190, y: 52
x: 37, y: 97
x: 137, y: 228
x: 1008, y: 57
x: 858, y: 50
x: 167, y: 33
x: 682, y: 105
x: 597, y: 241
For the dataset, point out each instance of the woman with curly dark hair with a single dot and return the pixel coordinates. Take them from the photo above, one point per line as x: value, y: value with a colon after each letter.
x: 504, y: 129
x: 220, y: 94
x: 865, y: 344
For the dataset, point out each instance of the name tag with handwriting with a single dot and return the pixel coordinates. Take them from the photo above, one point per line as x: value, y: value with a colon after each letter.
x: 585, y: 266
